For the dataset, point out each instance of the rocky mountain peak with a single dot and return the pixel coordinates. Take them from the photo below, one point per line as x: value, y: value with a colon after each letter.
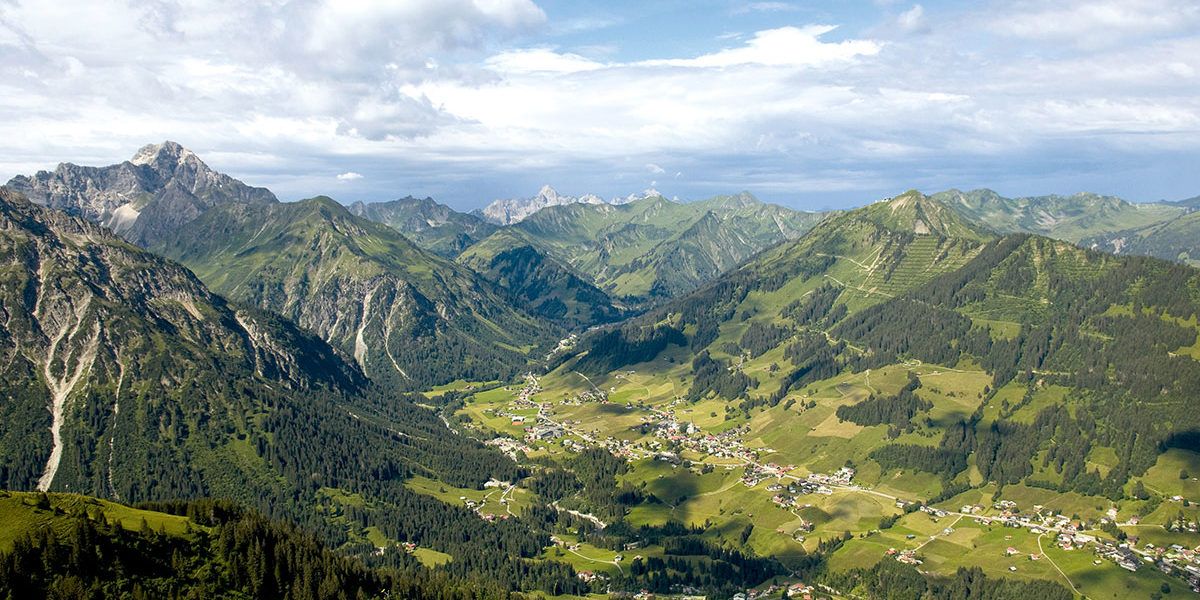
x: 143, y: 199
x: 509, y: 211
x: 167, y: 152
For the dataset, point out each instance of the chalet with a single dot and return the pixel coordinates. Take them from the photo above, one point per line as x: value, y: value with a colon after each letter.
x: 1128, y: 559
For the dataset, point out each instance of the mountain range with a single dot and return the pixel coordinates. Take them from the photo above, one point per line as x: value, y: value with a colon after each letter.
x: 404, y: 315
x: 672, y: 381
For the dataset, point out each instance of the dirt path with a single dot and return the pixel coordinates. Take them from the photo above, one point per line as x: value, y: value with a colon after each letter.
x: 935, y: 536
x: 1060, y: 571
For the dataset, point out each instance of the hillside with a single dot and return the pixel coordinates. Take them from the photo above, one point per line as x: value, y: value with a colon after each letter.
x: 65, y: 545
x: 144, y: 199
x: 1177, y: 239
x: 544, y: 287
x: 96, y: 325
x: 408, y: 318
x: 897, y: 357
x: 1071, y: 218
x: 655, y: 248
x: 432, y: 226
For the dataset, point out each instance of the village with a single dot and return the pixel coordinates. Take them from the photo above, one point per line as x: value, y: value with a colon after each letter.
x: 672, y: 436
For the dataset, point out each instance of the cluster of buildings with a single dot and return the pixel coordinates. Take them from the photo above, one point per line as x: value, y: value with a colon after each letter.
x: 509, y: 446
x: 800, y: 591
x: 907, y: 556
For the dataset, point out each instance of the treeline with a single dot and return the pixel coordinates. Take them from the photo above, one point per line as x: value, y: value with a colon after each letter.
x: 816, y: 307
x: 711, y: 376
x: 230, y: 553
x: 587, y: 482
x: 905, y: 327
x: 760, y: 337
x: 896, y: 411
x: 694, y: 562
x: 626, y: 345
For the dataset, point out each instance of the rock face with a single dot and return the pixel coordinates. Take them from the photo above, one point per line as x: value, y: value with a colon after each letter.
x: 117, y: 363
x: 143, y: 199
x: 507, y: 212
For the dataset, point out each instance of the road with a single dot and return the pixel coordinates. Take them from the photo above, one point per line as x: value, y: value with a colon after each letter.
x: 1060, y: 571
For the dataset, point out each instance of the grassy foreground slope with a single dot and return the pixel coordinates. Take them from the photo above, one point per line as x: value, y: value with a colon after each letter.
x: 69, y: 546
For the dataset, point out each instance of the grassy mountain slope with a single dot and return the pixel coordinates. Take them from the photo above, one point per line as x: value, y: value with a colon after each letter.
x: 1176, y: 239
x: 65, y: 545
x: 432, y: 226
x: 856, y: 251
x: 654, y: 247
x: 1070, y: 218
x: 545, y: 287
x: 408, y: 318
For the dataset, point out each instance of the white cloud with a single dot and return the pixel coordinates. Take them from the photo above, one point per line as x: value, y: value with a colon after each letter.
x: 349, y: 176
x: 790, y: 46
x: 465, y: 91
x: 540, y: 60
x: 913, y: 20
x: 1095, y: 23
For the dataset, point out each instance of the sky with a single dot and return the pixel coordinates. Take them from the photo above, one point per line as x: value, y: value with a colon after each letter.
x: 817, y: 104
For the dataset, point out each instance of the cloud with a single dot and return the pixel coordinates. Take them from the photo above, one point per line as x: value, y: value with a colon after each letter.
x: 541, y: 60
x: 913, y: 20
x: 325, y: 61
x: 349, y: 176
x: 790, y: 46
x: 1095, y: 23
x: 459, y: 96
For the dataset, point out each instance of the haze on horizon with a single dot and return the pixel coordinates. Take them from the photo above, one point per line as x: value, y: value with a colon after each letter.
x: 806, y: 104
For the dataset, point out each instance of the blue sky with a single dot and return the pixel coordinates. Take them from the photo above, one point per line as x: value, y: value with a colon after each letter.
x: 807, y: 104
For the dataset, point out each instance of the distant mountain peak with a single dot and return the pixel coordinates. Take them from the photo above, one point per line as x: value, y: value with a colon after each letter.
x: 647, y: 193
x: 514, y: 210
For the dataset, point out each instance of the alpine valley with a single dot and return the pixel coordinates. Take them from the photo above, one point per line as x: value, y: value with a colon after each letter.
x: 207, y: 392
